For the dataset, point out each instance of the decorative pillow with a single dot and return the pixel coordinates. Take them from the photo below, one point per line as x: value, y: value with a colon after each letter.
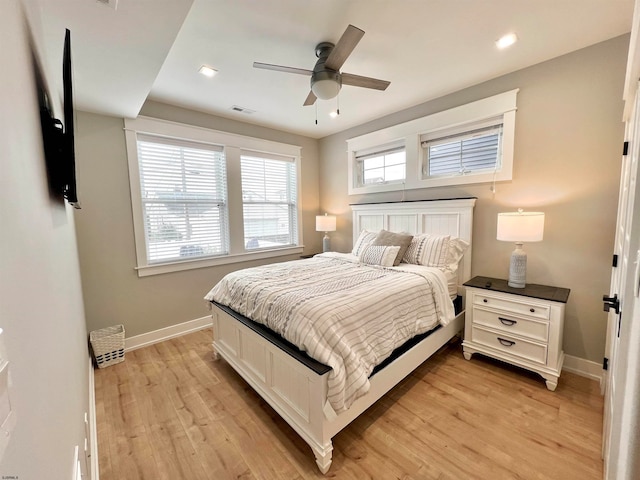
x: 379, y: 255
x: 365, y: 238
x: 429, y: 250
x: 390, y: 239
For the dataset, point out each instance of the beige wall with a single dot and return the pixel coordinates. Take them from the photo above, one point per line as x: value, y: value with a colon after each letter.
x: 568, y: 148
x: 113, y: 292
x: 41, y: 309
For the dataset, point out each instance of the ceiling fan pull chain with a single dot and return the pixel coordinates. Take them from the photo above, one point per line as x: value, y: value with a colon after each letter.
x: 338, y: 106
x: 316, y: 104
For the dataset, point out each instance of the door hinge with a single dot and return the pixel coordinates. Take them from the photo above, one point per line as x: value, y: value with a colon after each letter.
x: 615, y: 261
x: 605, y: 363
x: 611, y: 302
x: 625, y: 149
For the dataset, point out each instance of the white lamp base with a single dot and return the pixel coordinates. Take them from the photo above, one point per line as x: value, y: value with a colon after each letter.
x: 518, y: 268
x: 326, y: 243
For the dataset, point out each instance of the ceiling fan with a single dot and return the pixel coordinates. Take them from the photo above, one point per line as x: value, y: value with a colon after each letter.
x: 326, y: 78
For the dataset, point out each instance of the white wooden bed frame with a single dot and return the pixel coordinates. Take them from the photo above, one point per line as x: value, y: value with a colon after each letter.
x: 299, y: 394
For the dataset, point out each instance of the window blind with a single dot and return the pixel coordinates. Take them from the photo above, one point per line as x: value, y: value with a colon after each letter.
x: 184, y: 198
x: 269, y: 196
x: 474, y: 151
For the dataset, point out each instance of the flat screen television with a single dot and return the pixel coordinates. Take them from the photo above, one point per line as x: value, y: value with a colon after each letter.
x: 58, y: 139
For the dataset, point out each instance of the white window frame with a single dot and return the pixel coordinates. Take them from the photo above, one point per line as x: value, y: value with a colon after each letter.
x: 233, y: 145
x: 459, y: 133
x: 377, y: 151
x: 292, y: 215
x: 460, y: 119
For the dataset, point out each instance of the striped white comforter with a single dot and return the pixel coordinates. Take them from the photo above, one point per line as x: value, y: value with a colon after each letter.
x: 345, y: 314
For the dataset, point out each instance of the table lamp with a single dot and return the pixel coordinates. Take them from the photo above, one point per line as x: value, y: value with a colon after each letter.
x: 520, y: 227
x: 326, y: 223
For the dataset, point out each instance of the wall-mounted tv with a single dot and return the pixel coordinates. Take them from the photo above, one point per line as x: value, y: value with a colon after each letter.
x: 58, y: 141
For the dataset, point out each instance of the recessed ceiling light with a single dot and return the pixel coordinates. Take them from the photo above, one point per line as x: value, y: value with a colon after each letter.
x: 207, y: 71
x: 333, y: 114
x: 507, y: 40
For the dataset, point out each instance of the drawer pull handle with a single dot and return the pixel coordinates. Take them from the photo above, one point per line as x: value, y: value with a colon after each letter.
x: 508, y: 322
x: 506, y: 343
x: 485, y: 300
x: 532, y: 310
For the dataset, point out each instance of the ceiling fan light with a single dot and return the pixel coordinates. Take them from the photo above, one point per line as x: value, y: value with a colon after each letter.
x: 325, y: 85
x: 325, y: 89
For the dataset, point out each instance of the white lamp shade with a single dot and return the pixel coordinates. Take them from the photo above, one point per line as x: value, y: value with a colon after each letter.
x: 325, y: 89
x: 325, y: 223
x: 521, y: 226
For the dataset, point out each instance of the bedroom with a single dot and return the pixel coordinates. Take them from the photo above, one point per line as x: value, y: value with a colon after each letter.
x: 579, y: 198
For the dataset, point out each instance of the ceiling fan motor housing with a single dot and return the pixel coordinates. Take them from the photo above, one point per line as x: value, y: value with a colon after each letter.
x: 325, y: 82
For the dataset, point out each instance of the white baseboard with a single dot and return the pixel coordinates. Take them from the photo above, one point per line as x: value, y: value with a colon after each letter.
x: 582, y: 367
x: 163, y: 334
x: 93, y: 426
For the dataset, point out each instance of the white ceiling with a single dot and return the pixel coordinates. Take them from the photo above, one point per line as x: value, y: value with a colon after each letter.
x: 152, y: 49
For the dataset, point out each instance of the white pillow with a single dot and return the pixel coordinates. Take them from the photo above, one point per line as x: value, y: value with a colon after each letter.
x: 456, y: 250
x: 365, y: 238
x: 379, y: 255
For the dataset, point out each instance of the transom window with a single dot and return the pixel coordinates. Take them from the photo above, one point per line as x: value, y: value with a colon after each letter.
x: 467, y: 144
x: 463, y: 153
x: 383, y: 165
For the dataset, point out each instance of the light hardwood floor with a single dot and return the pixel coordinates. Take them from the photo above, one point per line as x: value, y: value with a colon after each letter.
x: 170, y: 412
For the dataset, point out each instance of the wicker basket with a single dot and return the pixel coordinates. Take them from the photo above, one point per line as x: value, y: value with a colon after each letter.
x: 108, y: 345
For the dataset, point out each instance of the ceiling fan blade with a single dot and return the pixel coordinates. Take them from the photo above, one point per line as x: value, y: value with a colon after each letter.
x: 366, y: 82
x: 344, y: 47
x: 280, y: 68
x: 311, y: 99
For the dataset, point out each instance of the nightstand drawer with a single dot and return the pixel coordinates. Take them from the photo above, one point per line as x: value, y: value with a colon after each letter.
x: 524, y: 307
x: 512, y: 324
x: 511, y: 345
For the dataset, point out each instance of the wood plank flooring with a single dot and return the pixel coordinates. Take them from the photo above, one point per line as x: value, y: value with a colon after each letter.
x: 171, y: 412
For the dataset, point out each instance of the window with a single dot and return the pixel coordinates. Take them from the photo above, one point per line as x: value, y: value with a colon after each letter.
x: 381, y: 166
x: 202, y: 197
x: 468, y: 144
x: 463, y: 153
x: 184, y: 199
x: 269, y: 193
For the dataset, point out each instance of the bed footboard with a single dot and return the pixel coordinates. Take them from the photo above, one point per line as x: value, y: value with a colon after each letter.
x: 293, y: 390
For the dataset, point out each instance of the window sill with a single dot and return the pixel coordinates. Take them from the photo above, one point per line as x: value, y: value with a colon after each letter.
x: 161, y: 268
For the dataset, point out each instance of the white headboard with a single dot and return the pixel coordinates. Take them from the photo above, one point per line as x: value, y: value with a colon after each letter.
x: 442, y: 217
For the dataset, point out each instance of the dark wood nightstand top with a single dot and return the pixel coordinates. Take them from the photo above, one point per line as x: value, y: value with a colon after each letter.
x: 544, y: 292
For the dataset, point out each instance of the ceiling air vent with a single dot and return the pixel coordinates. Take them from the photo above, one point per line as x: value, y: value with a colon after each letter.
x: 109, y: 3
x: 238, y: 109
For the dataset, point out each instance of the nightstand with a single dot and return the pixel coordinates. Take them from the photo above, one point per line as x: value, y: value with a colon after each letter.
x: 521, y: 326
